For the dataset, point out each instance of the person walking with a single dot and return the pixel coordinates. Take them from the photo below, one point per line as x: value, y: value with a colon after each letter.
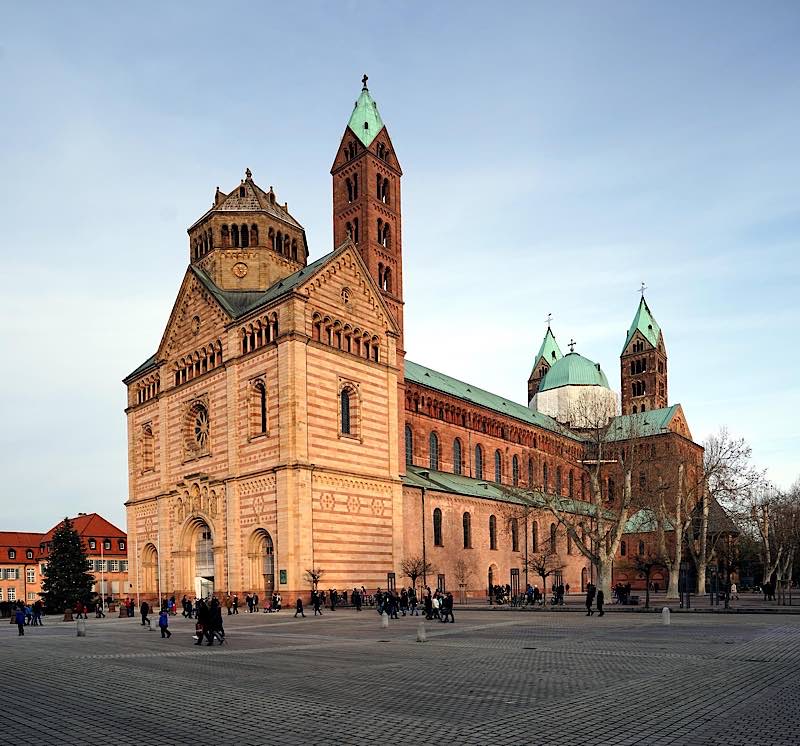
x: 447, y: 607
x: 412, y: 602
x: 316, y: 600
x: 235, y: 604
x: 19, y: 618
x: 356, y: 598
x: 428, y: 603
x: 163, y: 623
x: 202, y: 617
x: 144, y: 610
x: 299, y: 608
x: 98, y: 609
x: 600, y: 601
x: 590, y: 593
x: 734, y: 591
x: 215, y: 623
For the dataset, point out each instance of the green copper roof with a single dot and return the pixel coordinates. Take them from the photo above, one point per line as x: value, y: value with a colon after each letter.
x: 645, y: 323
x: 643, y: 424
x: 447, y: 385
x: 573, y: 370
x: 645, y: 521
x: 365, y: 120
x: 549, y: 350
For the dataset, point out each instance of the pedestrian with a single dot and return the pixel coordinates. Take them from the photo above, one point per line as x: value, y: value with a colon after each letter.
x: 163, y: 623
x: 590, y: 593
x: 215, y: 629
x: 734, y: 591
x: 447, y: 607
x: 428, y: 603
x: 98, y: 609
x: 144, y: 610
x: 37, y: 614
x: 19, y: 618
x: 600, y: 600
x: 299, y: 608
x: 235, y: 604
x: 255, y: 603
x: 202, y: 617
x: 316, y: 600
x: 435, y: 607
x: 356, y: 597
x: 412, y: 602
x: 403, y: 601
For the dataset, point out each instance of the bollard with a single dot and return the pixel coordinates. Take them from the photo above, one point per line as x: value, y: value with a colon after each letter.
x: 665, y: 616
x: 384, y: 620
x: 67, y: 615
x: 421, y: 632
x: 123, y: 612
x: 81, y: 627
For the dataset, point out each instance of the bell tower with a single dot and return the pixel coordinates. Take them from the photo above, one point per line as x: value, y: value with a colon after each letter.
x: 366, y: 201
x: 643, y: 364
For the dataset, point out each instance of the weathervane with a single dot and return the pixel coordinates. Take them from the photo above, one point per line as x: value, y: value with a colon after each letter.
x: 548, y: 319
x: 571, y: 345
x: 364, y: 82
x: 642, y: 289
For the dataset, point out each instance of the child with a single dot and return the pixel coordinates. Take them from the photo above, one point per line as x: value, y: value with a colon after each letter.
x: 163, y: 622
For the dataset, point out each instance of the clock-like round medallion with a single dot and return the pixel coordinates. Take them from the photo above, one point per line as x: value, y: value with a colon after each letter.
x: 240, y: 269
x: 195, y: 324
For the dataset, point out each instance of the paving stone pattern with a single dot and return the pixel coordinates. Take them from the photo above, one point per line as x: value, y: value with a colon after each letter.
x: 488, y: 679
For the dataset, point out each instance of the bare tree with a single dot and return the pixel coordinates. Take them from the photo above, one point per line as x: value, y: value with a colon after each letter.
x: 517, y: 520
x: 645, y: 564
x: 729, y: 478
x: 314, y: 576
x: 614, y: 452
x: 544, y: 564
x: 415, y: 568
x: 463, y: 569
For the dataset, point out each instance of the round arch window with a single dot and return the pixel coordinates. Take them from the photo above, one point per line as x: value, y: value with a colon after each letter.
x: 197, y: 428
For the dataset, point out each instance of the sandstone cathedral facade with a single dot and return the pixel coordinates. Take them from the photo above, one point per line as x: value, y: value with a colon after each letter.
x: 278, y: 428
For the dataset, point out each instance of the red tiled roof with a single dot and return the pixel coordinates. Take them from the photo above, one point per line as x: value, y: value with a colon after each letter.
x: 21, y: 542
x: 90, y: 524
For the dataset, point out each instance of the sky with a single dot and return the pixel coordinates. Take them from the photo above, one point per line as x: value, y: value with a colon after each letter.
x: 555, y: 156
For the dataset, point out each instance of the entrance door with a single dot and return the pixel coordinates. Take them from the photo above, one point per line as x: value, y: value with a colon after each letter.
x: 204, y: 587
x: 514, y: 581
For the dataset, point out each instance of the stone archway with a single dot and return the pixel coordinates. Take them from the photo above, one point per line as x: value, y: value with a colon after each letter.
x: 149, y: 576
x: 261, y: 562
x: 492, y: 578
x: 197, y: 545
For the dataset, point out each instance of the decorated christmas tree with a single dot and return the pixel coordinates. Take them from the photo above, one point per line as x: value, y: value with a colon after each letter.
x: 66, y: 580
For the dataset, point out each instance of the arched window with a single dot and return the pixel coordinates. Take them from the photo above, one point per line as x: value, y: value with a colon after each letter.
x: 569, y: 543
x: 148, y: 450
x: 254, y: 235
x: 437, y: 527
x: 545, y: 475
x: 530, y: 473
x: 355, y: 186
x: 583, y: 486
x: 610, y: 490
x: 409, y: 446
x: 466, y: 521
x: 259, y: 409
x: 535, y: 537
x: 457, y: 456
x: 514, y: 535
x: 344, y: 405
x: 571, y: 483
x: 294, y: 249
x: 515, y: 471
x: 235, y: 235
x: 478, y: 462
x: 558, y: 480
x: 434, y: 452
x: 623, y: 548
x: 498, y: 467
x: 245, y: 236
x: 641, y: 547
x: 553, y: 538
x: 492, y: 532
x: 349, y: 185
x: 226, y: 236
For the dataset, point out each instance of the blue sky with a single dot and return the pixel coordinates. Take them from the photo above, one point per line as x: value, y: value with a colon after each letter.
x: 555, y: 156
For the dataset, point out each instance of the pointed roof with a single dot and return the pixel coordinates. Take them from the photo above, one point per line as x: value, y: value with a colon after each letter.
x: 549, y: 350
x: 365, y: 121
x: 645, y: 323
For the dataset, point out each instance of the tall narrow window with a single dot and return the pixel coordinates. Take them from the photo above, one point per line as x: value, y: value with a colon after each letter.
x: 345, y: 405
x: 569, y: 543
x: 434, y: 452
x: 535, y: 537
x: 478, y: 462
x: 466, y: 520
x: 148, y: 449
x: 457, y: 456
x: 514, y: 535
x: 261, y: 393
x: 498, y: 467
x: 437, y: 527
x: 409, y: 446
x: 553, y: 538
x: 571, y: 484
x: 515, y: 471
x: 530, y: 473
x: 623, y: 548
x: 492, y: 532
x: 558, y: 480
x: 545, y: 475
x: 641, y: 547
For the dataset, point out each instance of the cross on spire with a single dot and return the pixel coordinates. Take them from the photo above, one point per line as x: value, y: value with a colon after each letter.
x: 364, y: 82
x: 642, y: 289
x: 548, y: 319
x: 571, y: 345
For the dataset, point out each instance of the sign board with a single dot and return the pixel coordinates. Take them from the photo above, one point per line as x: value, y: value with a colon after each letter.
x: 283, y: 577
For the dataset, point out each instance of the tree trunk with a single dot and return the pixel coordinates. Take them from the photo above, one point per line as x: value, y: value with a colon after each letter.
x: 674, y: 578
x: 702, y: 559
x: 604, y: 576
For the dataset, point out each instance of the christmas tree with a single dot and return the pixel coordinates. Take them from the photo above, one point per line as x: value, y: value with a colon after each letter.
x: 66, y: 580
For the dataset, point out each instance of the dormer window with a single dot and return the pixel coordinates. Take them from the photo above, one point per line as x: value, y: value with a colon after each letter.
x: 121, y: 544
x: 29, y: 554
x: 107, y: 544
x: 92, y: 544
x: 12, y: 553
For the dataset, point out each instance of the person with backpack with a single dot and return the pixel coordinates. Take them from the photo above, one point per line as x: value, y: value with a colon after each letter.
x: 19, y: 618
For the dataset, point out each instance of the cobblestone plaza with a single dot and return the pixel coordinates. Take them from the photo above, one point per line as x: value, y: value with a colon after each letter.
x: 491, y: 678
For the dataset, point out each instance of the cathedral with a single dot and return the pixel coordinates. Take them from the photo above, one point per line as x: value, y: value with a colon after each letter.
x: 278, y: 429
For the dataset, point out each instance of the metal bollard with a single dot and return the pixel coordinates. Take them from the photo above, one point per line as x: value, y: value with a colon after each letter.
x: 384, y: 620
x: 421, y: 637
x: 665, y: 616
x: 81, y: 627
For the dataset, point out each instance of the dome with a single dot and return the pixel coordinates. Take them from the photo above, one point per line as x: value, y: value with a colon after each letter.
x: 573, y: 370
